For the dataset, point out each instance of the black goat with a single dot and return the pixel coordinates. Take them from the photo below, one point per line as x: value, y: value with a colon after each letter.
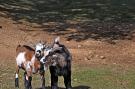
x: 60, y: 59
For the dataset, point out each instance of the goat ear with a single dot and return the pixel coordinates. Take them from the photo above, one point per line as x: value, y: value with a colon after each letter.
x: 34, y: 46
x: 44, y: 44
x: 41, y: 42
x: 57, y: 39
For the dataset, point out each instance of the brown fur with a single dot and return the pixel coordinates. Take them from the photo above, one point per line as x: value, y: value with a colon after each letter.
x: 34, y: 67
x: 29, y: 54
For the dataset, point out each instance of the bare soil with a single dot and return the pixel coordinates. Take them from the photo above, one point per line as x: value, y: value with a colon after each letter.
x: 88, y: 52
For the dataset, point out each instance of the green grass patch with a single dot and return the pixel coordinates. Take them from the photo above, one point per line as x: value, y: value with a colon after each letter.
x: 98, y: 77
x: 105, y: 77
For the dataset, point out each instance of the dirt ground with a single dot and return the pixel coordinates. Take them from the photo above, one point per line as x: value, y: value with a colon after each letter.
x: 88, y: 52
x: 99, y: 34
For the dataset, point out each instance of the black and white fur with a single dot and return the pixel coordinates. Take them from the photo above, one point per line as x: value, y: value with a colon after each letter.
x: 59, y: 59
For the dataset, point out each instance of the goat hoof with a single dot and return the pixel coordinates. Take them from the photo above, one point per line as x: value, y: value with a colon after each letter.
x: 43, y: 87
x: 54, y: 87
x: 69, y: 88
x: 30, y: 87
x: 16, y: 82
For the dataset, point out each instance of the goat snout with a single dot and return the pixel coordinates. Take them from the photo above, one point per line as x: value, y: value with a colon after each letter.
x: 38, y: 53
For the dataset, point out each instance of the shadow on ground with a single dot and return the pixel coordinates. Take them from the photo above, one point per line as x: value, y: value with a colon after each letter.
x: 76, y: 19
x: 77, y: 87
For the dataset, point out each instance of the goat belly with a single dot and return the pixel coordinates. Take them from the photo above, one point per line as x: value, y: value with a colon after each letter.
x: 20, y: 59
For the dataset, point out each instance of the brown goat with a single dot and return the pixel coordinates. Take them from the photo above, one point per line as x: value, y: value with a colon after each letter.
x: 26, y: 60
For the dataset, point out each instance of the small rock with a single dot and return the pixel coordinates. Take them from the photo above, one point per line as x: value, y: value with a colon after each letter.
x: 128, y: 37
x: 67, y: 41
x: 96, y: 56
x: 79, y: 46
x: 86, y: 58
x: 90, y: 52
x: 91, y: 56
x: 102, y: 57
x: 131, y: 24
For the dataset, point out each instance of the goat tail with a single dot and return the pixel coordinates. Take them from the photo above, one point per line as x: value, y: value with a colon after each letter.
x: 18, y: 47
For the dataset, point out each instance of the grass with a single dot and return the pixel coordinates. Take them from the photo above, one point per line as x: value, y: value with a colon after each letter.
x: 105, y: 77
x: 102, y: 77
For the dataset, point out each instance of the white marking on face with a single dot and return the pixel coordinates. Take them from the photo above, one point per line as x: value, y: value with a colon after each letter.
x: 46, y: 52
x: 42, y: 59
x: 16, y: 75
x: 39, y: 49
x: 39, y: 46
x: 20, y: 59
